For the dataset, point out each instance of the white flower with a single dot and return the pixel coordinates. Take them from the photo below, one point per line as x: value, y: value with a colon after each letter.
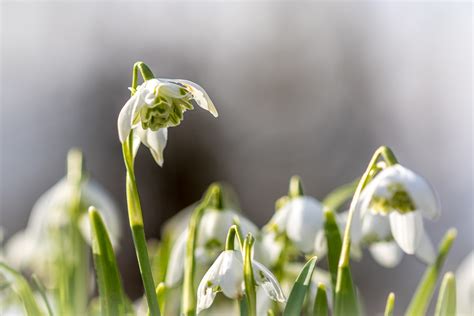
x: 301, y: 219
x: 212, y: 235
x: 405, y: 198
x: 465, y: 286
x: 226, y: 275
x: 156, y: 105
x: 27, y: 248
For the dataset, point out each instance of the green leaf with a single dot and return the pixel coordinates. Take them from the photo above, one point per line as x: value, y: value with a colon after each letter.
x: 300, y: 287
x: 424, y: 292
x: 346, y: 302
x: 334, y: 244
x: 446, y: 304
x: 42, y: 292
x: 321, y: 302
x: 20, y: 286
x: 338, y: 196
x: 112, y: 299
x: 390, y: 305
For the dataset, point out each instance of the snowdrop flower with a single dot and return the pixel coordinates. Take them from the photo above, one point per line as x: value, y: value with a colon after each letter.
x: 211, y: 239
x: 301, y: 219
x: 26, y: 248
x: 405, y: 198
x: 465, y: 286
x: 156, y: 105
x: 226, y: 275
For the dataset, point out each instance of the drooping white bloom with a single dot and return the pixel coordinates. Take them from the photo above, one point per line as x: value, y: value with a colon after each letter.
x: 405, y: 198
x: 212, y: 235
x: 27, y: 248
x: 226, y: 276
x: 156, y: 105
x: 465, y: 286
x: 301, y: 219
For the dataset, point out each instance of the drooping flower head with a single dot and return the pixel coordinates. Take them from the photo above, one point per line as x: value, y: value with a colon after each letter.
x: 300, y: 218
x: 405, y: 198
x: 156, y: 105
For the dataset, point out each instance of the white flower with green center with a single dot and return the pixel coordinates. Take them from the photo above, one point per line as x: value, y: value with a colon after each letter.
x: 156, y: 105
x: 301, y: 219
x: 211, y: 239
x: 405, y: 198
x: 226, y: 276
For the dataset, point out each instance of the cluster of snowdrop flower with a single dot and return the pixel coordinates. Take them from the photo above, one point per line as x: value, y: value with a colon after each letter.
x: 211, y: 259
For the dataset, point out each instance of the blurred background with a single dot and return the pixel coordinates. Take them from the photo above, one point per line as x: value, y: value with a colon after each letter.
x: 301, y: 88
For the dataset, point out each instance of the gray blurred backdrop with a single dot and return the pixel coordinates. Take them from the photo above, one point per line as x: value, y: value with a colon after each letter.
x: 301, y: 88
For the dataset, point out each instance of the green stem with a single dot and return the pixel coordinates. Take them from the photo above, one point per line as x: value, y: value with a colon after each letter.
x: 390, y: 305
x: 249, y: 280
x: 136, y: 224
x: 230, y: 241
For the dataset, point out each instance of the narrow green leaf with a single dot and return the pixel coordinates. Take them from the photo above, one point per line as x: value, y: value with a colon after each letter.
x: 42, y: 292
x: 424, y: 292
x: 390, y: 305
x: 161, y: 293
x: 20, y: 286
x: 112, y: 299
x: 334, y: 244
x: 244, y: 309
x: 446, y: 304
x: 300, y: 287
x: 346, y: 302
x: 338, y: 196
x: 321, y: 302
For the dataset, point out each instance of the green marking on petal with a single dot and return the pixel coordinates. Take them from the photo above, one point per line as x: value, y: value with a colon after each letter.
x: 399, y: 200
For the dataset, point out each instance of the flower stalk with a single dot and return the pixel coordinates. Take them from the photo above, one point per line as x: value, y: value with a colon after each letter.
x: 249, y: 280
x: 134, y: 207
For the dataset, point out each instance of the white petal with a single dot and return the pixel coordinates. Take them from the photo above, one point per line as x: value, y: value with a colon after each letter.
x: 425, y: 250
x: 176, y: 261
x: 422, y: 193
x: 268, y: 281
x: 264, y: 303
x: 124, y: 121
x: 465, y: 286
x: 305, y: 219
x: 231, y: 274
x: 268, y: 248
x: 320, y: 244
x: 94, y: 195
x: 407, y: 229
x: 375, y: 226
x: 206, y: 289
x: 386, y: 253
x: 199, y: 95
x: 280, y: 219
x: 155, y: 141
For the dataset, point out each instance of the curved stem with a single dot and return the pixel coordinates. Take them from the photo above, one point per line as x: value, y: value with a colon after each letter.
x: 230, y: 241
x: 249, y: 280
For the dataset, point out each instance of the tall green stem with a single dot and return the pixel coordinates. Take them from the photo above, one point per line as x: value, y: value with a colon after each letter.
x: 136, y: 224
x: 346, y: 298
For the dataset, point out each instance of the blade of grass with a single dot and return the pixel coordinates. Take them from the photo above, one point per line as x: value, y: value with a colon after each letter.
x: 390, y: 305
x: 346, y: 302
x: 424, y: 292
x: 446, y: 304
x: 321, y: 302
x: 20, y: 286
x: 112, y: 299
x: 42, y: 292
x: 300, y: 287
x: 334, y: 244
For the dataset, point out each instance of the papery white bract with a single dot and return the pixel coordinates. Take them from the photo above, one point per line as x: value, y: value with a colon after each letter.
x: 156, y: 105
x: 50, y: 213
x: 211, y: 239
x: 226, y: 276
x: 405, y: 198
x: 301, y: 219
